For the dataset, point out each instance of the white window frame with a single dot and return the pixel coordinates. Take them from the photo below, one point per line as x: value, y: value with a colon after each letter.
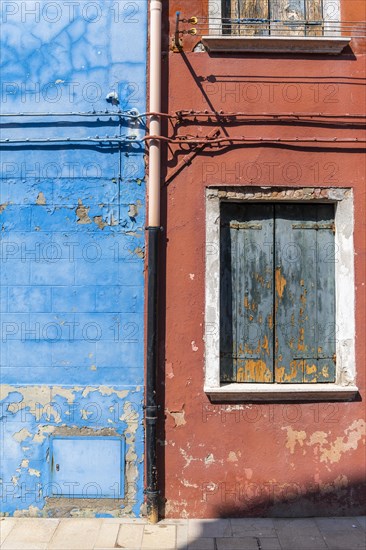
x: 331, y: 42
x: 345, y: 384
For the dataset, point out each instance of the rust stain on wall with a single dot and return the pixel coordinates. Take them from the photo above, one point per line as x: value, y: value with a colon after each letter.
x: 280, y: 282
x: 303, y: 297
x: 254, y: 370
x: 325, y: 371
x: 265, y: 344
x: 301, y: 344
x: 296, y: 367
x: 270, y: 322
x: 310, y: 372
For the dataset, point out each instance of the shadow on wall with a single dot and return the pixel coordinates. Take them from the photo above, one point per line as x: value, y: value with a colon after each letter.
x: 337, y: 498
x: 275, y: 534
x: 274, y: 518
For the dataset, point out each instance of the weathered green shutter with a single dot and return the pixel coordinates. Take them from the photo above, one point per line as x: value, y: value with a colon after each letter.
x: 277, y: 293
x: 304, y: 293
x: 246, y: 335
x: 228, y: 261
x: 326, y: 302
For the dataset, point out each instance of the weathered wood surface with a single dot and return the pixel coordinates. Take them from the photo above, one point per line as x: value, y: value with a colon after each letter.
x: 277, y: 293
x: 283, y: 16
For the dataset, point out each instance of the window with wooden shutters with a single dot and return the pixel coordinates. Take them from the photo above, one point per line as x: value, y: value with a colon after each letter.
x: 279, y: 17
x: 276, y: 26
x: 277, y: 293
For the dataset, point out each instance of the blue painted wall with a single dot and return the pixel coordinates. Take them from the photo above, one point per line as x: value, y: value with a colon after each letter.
x: 72, y: 216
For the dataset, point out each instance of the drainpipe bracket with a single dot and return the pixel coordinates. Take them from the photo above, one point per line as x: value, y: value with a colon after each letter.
x: 149, y: 227
x: 153, y: 493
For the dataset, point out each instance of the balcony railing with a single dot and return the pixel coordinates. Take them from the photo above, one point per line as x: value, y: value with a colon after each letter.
x: 277, y: 27
x: 277, y: 35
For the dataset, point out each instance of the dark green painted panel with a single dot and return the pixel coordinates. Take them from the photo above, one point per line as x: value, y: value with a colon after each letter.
x: 326, y: 345
x: 304, y: 295
x: 291, y: 285
x: 247, y: 230
x: 228, y: 261
x: 277, y: 293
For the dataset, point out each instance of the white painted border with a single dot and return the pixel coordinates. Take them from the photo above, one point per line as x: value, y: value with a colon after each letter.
x: 345, y: 292
x: 214, y: 13
x: 344, y: 387
x: 331, y: 12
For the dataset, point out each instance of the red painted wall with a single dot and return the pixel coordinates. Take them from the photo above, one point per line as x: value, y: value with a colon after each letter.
x: 250, y: 459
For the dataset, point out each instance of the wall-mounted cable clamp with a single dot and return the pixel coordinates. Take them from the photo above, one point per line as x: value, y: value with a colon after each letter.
x: 177, y: 42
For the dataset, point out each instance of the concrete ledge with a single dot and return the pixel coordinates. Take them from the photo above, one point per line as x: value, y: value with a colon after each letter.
x: 281, y: 392
x: 276, y: 44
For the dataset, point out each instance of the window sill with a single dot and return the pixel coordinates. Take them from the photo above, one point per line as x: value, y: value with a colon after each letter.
x: 276, y: 44
x: 281, y: 392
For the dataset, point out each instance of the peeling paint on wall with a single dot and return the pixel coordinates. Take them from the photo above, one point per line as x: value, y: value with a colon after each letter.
x: 179, y: 417
x: 82, y: 213
x: 30, y: 482
x: 275, y: 474
x: 98, y: 220
x: 327, y: 448
x: 71, y: 292
x: 41, y: 199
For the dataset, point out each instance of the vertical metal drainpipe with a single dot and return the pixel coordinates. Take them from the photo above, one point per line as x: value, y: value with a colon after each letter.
x: 153, y: 228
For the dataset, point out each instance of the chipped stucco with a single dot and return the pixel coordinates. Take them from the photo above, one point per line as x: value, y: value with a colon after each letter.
x: 324, y: 445
x: 26, y: 467
x: 72, y: 255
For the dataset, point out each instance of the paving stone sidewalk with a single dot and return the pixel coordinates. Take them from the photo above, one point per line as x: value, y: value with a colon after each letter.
x: 222, y: 534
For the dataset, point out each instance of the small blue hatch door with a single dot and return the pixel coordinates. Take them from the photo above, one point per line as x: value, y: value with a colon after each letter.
x: 87, y: 467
